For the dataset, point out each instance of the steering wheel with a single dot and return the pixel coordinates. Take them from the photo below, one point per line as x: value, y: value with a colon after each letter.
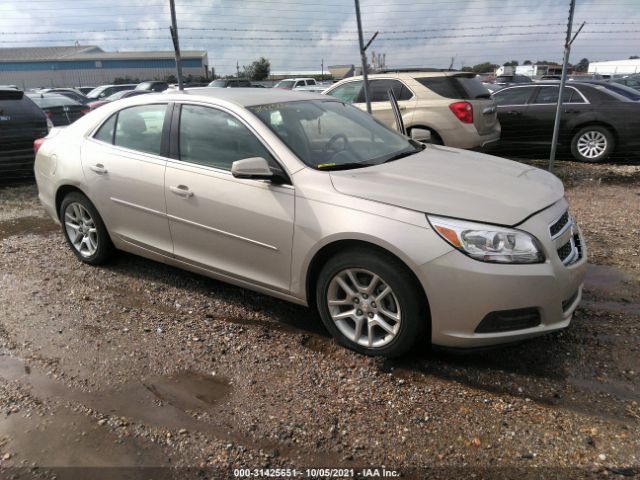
x: 329, y: 146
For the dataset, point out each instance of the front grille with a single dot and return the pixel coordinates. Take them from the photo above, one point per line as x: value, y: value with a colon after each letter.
x: 556, y: 227
x: 565, y: 250
x: 508, y: 320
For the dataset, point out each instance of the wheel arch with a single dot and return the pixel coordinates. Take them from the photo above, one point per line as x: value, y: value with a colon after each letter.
x: 426, y: 127
x: 326, y: 252
x: 595, y: 123
x: 62, y: 191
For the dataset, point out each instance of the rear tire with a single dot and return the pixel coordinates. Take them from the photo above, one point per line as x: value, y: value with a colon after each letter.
x: 370, y: 303
x: 592, y: 144
x: 84, y: 229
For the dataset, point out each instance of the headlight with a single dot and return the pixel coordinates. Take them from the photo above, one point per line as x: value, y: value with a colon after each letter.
x: 488, y: 243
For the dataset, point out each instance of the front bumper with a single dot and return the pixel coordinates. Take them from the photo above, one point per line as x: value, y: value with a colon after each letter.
x: 463, y: 291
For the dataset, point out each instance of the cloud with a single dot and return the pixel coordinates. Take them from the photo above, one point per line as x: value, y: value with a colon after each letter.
x: 300, y: 34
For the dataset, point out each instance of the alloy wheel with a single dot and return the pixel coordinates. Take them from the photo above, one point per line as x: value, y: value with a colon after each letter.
x: 364, y: 307
x: 81, y: 229
x: 592, y: 144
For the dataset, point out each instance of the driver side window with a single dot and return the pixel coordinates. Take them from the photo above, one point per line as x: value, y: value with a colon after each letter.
x: 216, y: 139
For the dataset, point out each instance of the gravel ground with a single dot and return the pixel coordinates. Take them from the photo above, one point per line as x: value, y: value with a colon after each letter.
x: 142, y: 365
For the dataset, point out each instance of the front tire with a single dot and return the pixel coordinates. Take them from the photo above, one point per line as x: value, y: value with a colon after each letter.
x: 370, y: 303
x: 592, y: 144
x: 84, y: 229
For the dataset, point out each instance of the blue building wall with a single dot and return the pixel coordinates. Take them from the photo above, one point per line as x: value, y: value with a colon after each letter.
x: 91, y: 65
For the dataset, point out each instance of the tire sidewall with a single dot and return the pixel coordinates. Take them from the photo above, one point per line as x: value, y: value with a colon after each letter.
x: 594, y: 128
x: 394, y: 274
x: 104, y: 249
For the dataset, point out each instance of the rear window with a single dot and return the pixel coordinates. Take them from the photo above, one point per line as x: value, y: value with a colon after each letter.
x: 623, y: 90
x: 13, y: 109
x: 57, y: 101
x: 458, y: 87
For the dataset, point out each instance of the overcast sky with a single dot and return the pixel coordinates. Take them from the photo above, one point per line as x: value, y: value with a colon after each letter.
x: 299, y: 34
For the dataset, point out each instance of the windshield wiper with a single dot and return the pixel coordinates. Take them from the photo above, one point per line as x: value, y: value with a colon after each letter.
x: 342, y: 166
x: 400, y: 155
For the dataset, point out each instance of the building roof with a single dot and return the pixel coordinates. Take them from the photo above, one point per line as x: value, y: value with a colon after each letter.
x: 85, y: 52
x: 30, y: 54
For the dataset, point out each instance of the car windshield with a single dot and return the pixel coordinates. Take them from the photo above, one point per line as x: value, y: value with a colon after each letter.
x: 331, y: 135
x: 623, y: 90
x: 95, y: 93
x: 285, y: 84
x: 219, y: 83
x: 117, y: 95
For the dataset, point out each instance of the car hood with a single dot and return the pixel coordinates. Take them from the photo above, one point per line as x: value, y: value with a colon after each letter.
x: 455, y: 183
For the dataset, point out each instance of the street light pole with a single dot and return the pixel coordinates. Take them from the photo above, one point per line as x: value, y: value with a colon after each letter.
x: 176, y: 43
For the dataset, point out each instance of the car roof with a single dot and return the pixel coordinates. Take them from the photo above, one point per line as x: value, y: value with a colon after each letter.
x: 247, y: 97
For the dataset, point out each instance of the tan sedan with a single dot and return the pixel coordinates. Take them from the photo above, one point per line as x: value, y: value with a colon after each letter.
x: 311, y: 200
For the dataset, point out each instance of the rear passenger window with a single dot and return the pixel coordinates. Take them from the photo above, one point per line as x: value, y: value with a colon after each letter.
x: 380, y: 88
x: 105, y: 133
x: 441, y: 85
x: 549, y: 95
x: 140, y: 128
x: 512, y: 96
x: 216, y: 139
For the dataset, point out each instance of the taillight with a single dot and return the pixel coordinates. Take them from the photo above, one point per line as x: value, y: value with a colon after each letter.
x: 462, y: 110
x: 37, y: 144
x: 84, y: 111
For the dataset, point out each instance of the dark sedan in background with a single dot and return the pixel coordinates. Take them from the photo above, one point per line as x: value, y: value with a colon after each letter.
x: 21, y: 123
x: 61, y: 110
x: 596, y: 121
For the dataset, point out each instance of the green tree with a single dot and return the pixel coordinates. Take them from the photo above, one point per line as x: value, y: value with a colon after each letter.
x: 258, y: 70
x: 634, y: 57
x: 512, y: 63
x: 582, y: 65
x: 527, y: 62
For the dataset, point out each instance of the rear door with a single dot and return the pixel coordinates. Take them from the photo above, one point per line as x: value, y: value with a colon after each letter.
x: 124, y: 165
x: 512, y: 104
x: 380, y: 105
x: 541, y: 112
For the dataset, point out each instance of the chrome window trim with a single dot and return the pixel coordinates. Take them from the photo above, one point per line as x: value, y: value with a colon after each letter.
x: 261, y: 139
x: 586, y: 102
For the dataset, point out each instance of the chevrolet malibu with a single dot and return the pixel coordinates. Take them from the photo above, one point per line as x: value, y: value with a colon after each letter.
x: 311, y: 200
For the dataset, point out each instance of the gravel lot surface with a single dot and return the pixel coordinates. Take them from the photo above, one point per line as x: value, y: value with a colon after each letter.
x: 137, y: 364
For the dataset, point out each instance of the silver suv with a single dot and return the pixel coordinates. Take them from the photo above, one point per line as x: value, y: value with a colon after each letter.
x: 454, y: 106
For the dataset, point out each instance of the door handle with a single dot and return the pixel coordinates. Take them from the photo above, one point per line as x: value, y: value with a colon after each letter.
x: 98, y: 168
x: 571, y: 111
x: 181, y: 191
x: 512, y: 112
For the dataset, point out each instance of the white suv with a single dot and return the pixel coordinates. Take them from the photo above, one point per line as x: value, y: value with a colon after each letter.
x: 292, y: 83
x: 454, y: 106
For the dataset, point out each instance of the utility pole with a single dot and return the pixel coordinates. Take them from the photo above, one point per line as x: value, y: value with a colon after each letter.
x: 363, y: 56
x: 563, y: 81
x: 176, y: 44
x: 237, y: 70
x: 322, y: 69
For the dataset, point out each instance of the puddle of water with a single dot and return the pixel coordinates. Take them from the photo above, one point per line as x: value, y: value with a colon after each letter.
x: 26, y: 226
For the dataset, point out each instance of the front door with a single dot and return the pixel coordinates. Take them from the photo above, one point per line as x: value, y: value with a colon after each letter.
x: 234, y: 227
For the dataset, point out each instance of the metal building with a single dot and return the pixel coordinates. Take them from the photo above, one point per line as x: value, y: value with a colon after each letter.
x: 88, y: 65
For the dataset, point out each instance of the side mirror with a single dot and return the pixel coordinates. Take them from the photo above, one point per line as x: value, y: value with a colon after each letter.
x: 421, y: 135
x: 256, y: 168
